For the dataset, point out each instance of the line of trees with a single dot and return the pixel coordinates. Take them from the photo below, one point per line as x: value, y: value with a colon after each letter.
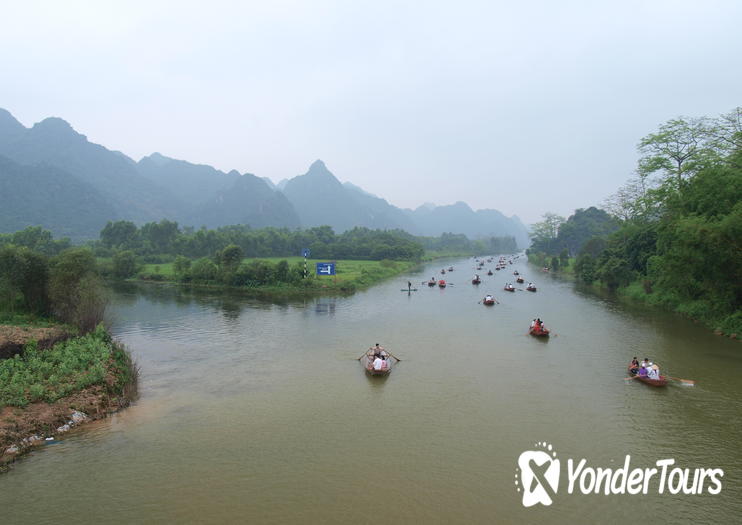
x: 677, y: 224
x: 66, y: 286
x: 167, y: 238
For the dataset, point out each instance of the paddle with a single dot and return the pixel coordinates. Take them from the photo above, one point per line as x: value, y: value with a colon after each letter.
x: 384, y: 350
x: 688, y: 382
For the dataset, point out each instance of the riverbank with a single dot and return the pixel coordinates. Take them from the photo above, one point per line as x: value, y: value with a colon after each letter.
x: 640, y: 291
x: 351, y: 275
x: 14, y: 335
x: 44, y: 393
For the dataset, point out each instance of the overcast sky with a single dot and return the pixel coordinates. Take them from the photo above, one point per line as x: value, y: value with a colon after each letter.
x: 525, y: 107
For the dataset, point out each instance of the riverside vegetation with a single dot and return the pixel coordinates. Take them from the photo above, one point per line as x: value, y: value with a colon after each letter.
x: 61, y: 362
x: 670, y: 236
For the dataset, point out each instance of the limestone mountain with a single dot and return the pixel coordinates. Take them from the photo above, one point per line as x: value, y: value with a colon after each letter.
x: 53, y: 142
x: 191, y: 184
x: 46, y: 196
x: 249, y: 200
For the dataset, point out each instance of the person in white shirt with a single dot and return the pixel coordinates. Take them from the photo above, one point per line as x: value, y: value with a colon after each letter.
x: 378, y: 363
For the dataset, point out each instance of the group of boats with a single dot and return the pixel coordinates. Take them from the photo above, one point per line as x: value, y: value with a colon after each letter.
x: 378, y: 362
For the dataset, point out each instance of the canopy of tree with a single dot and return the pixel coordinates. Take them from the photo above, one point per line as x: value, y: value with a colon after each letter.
x: 679, y: 224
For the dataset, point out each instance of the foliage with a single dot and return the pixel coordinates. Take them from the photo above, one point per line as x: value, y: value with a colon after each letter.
x: 75, y: 289
x: 68, y: 367
x: 124, y: 264
x: 678, y: 241
x: 544, y: 233
x: 23, y: 280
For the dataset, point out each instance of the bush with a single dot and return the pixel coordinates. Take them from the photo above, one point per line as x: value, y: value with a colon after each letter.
x: 124, y: 264
x: 67, y: 367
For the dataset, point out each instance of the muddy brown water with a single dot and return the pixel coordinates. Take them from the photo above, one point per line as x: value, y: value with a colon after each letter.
x: 258, y: 412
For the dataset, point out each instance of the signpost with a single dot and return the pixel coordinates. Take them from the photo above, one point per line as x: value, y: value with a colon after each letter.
x: 305, y: 254
x: 326, y: 268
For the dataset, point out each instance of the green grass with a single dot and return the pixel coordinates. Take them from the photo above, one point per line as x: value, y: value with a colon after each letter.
x: 28, y: 320
x: 350, y: 274
x: 66, y: 368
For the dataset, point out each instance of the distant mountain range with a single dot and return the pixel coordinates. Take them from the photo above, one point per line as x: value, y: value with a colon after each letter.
x: 52, y: 176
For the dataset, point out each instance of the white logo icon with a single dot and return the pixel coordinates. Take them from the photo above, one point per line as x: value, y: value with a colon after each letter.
x: 537, y: 475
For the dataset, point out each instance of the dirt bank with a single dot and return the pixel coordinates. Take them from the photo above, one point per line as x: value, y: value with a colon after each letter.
x: 13, y: 338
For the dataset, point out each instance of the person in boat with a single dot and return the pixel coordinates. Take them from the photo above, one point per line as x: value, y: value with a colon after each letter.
x: 488, y: 298
x: 409, y: 286
x: 643, y: 371
x: 378, y: 363
x: 378, y: 350
x: 533, y: 323
x: 634, y: 368
x: 653, y: 372
x: 646, y: 363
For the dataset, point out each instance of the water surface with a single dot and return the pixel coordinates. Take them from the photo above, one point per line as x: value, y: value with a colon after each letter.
x: 258, y: 412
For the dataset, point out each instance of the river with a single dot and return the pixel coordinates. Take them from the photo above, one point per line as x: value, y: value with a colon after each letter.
x: 257, y: 412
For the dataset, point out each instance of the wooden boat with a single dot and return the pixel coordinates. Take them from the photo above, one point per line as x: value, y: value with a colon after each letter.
x: 516, y: 272
x: 509, y: 288
x: 368, y: 363
x: 476, y: 281
x: 489, y: 272
x: 537, y: 331
x: 488, y: 302
x: 531, y: 288
x: 520, y: 280
x: 431, y: 282
x: 441, y: 284
x: 662, y: 381
x: 450, y: 268
x: 443, y: 272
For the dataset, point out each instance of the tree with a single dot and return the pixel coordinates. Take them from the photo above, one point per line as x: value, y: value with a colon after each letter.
x: 563, y: 258
x: 181, y: 266
x: 119, y: 234
x: 544, y: 232
x: 124, y: 264
x: 75, y: 290
x: 230, y: 258
x: 678, y: 150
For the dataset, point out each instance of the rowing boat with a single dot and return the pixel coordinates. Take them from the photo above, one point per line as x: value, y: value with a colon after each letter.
x: 662, y: 381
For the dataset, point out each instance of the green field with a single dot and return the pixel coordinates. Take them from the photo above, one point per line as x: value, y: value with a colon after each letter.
x: 350, y: 274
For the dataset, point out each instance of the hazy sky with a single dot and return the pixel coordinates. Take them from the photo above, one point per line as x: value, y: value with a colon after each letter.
x: 525, y: 107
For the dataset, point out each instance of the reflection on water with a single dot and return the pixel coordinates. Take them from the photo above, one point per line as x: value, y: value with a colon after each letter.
x: 258, y: 411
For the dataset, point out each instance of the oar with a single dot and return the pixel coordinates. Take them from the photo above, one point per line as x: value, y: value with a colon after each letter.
x: 391, y: 354
x: 363, y: 354
x: 688, y: 382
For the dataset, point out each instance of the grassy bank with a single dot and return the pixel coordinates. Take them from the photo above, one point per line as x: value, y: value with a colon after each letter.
x: 640, y: 291
x: 42, y: 392
x: 350, y: 275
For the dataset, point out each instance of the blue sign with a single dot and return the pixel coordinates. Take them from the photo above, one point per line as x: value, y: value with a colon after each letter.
x: 305, y: 253
x: 326, y: 268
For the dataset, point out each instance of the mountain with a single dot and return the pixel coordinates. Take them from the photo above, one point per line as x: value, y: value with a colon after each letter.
x: 249, y: 200
x: 191, y: 184
x: 460, y: 218
x: 53, y: 142
x: 319, y: 199
x: 53, y: 176
x: 114, y: 186
x: 52, y: 198
x: 10, y: 128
